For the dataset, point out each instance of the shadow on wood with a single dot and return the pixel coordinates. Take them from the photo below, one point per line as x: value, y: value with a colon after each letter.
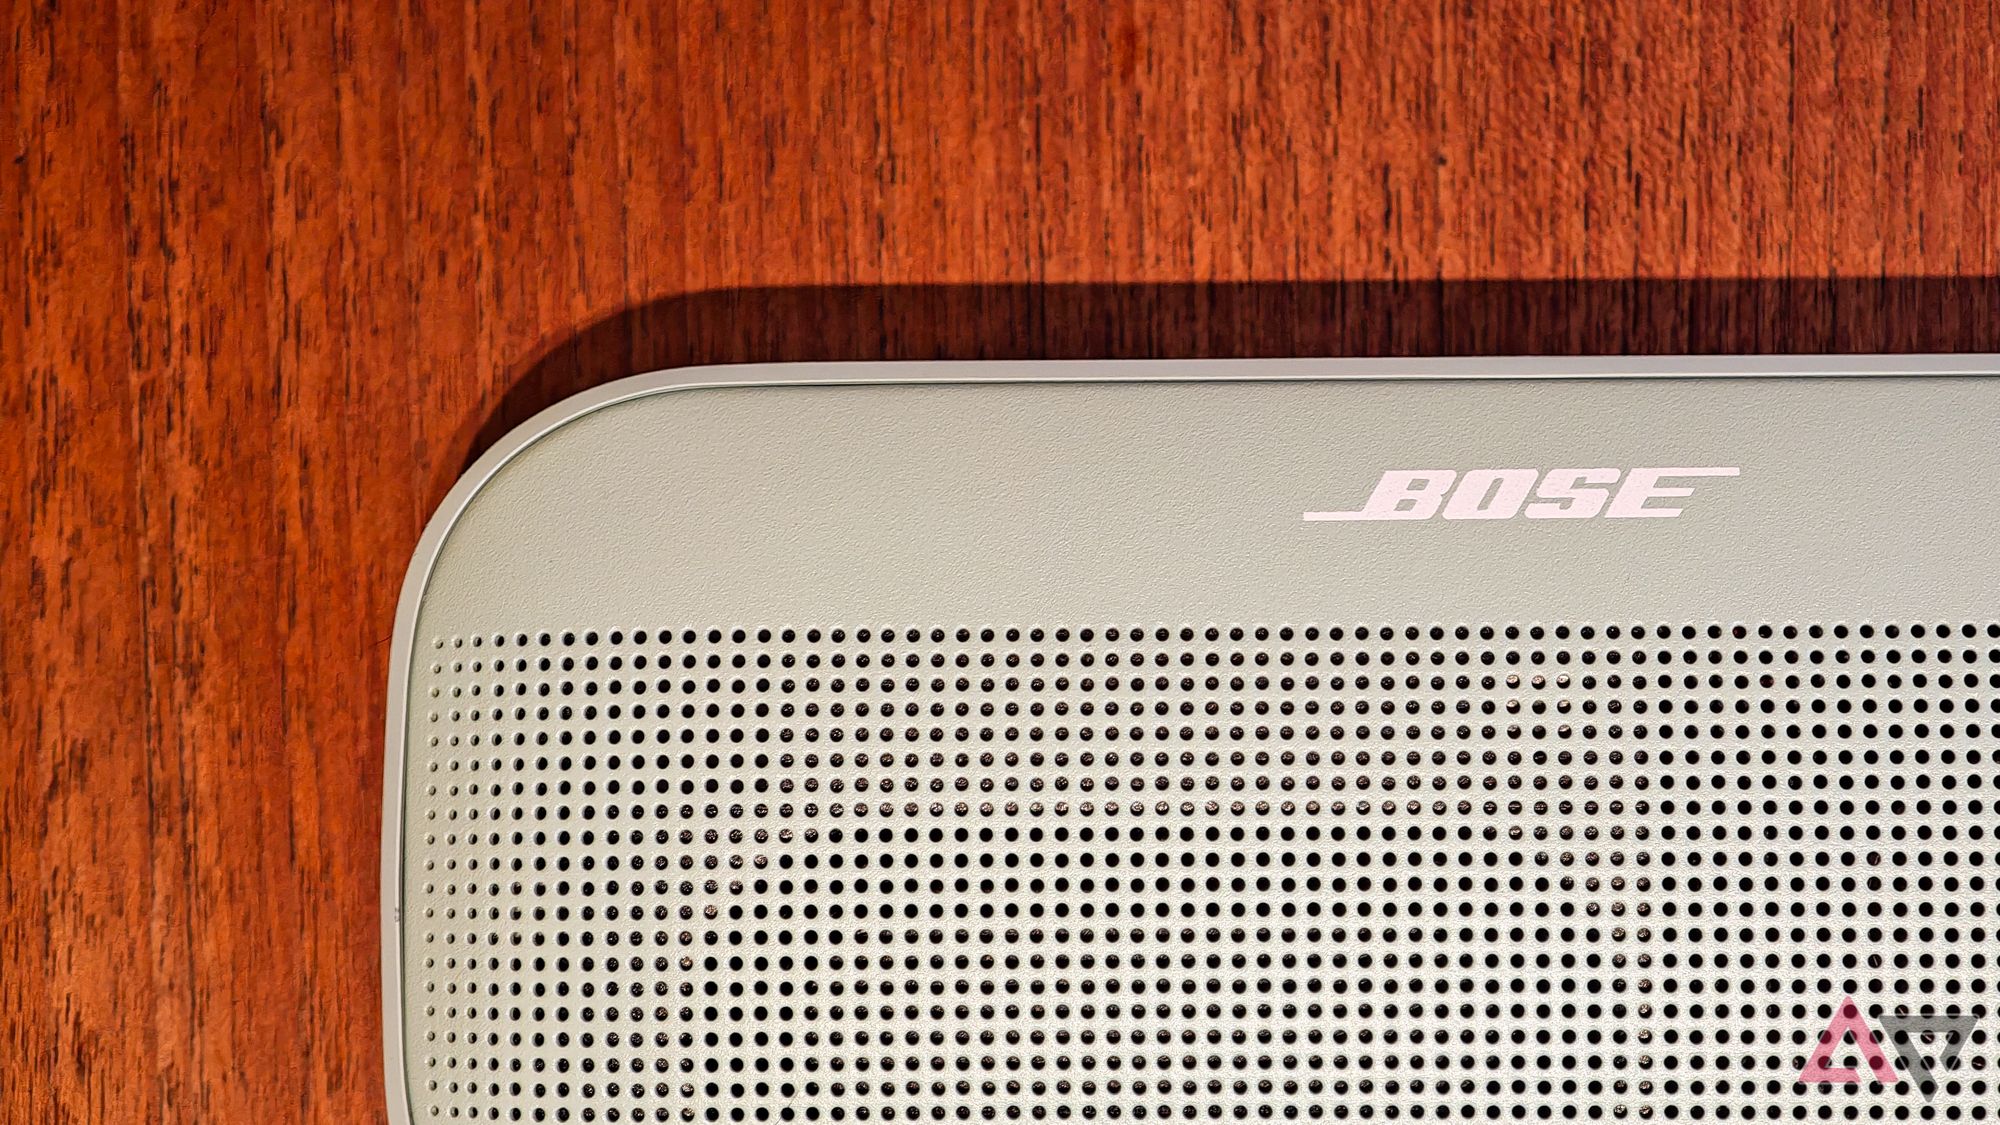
x: 1362, y: 318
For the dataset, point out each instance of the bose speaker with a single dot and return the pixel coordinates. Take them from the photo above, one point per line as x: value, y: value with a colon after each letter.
x: 1408, y: 741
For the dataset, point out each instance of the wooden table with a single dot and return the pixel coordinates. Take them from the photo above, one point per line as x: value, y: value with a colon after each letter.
x: 275, y: 272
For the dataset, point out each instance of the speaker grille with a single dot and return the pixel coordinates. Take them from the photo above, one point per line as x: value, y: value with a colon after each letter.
x: 1195, y: 872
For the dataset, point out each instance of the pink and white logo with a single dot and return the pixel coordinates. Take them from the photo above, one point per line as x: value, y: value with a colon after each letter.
x: 1948, y: 1030
x: 1501, y: 494
x: 1847, y: 1024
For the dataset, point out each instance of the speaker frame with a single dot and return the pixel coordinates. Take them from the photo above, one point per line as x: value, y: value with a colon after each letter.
x: 441, y: 523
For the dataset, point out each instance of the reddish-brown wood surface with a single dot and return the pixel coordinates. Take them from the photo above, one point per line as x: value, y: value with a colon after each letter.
x: 274, y: 271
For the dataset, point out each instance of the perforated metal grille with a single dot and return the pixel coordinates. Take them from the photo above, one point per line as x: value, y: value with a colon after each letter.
x: 1194, y: 872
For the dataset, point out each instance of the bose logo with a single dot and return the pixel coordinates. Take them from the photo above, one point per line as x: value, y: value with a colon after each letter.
x: 1502, y: 494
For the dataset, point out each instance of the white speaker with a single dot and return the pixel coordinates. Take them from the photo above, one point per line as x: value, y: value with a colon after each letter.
x: 1494, y: 740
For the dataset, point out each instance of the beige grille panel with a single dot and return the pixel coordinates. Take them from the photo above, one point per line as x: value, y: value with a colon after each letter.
x: 1193, y: 872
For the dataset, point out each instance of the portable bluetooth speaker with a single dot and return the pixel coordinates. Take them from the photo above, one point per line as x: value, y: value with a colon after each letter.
x: 1397, y: 741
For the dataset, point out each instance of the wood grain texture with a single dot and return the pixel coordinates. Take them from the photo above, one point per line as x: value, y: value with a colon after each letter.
x: 275, y: 271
